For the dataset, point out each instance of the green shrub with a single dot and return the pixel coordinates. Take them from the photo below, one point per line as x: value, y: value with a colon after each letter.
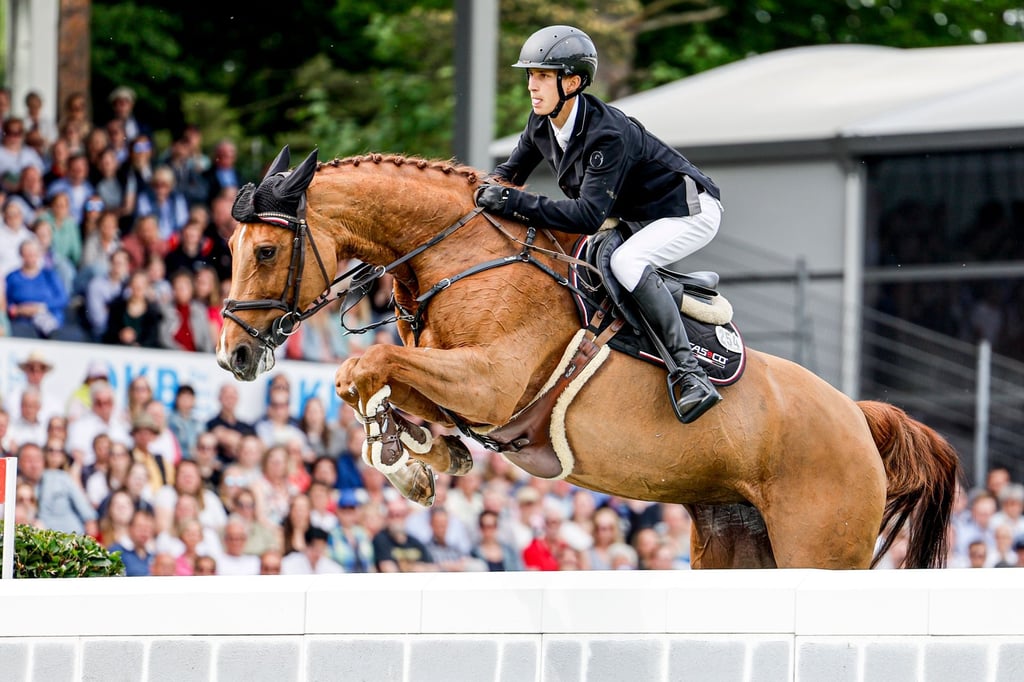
x: 53, y: 554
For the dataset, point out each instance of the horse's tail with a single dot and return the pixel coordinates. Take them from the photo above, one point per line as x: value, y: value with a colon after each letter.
x: 922, y: 470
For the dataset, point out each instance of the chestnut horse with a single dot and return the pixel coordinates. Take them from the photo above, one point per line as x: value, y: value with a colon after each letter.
x: 786, y: 471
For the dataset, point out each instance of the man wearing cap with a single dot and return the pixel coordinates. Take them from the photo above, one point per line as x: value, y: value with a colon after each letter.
x: 35, y: 368
x: 122, y: 103
x: 80, y: 402
x: 144, y: 432
x: 101, y: 418
x: 350, y: 543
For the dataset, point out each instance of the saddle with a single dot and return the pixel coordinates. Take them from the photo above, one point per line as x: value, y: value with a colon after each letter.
x: 707, y: 314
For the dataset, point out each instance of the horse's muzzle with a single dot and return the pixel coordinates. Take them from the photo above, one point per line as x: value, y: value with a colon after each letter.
x: 245, y: 361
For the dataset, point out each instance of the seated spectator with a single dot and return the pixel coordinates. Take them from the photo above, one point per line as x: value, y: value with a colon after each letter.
x: 351, y: 544
x: 495, y: 554
x: 273, y: 488
x: 607, y: 534
x: 1011, y: 509
x: 26, y: 506
x: 134, y: 319
x: 159, y: 470
x: 326, y: 439
x: 62, y: 504
x: 188, y: 176
x: 15, y: 156
x: 210, y: 468
x: 277, y: 427
x: 122, y: 105
x: 208, y: 292
x: 75, y: 184
x: 117, y: 192
x: 140, y: 162
x: 67, y: 236
x: 98, y: 249
x: 448, y: 557
x: 102, y: 290
x: 185, y: 323
x: 143, y: 242
x: 36, y: 368
x: 36, y: 297
x: 166, y: 443
x: 74, y: 121
x: 101, y: 418
x: 321, y: 506
x: 226, y: 427
x: 26, y: 425
x: 295, y: 524
x: 137, y: 552
x: 394, y: 549
x: 187, y: 481
x: 163, y: 564
x: 205, y: 565
x: 234, y: 560
x: 51, y: 260
x: 542, y: 553
x: 30, y: 194
x: 169, y: 539
x: 116, y: 521
x: 182, y: 420
x: 261, y: 535
x: 13, y: 231
x: 270, y: 562
x: 312, y: 560
x: 100, y: 485
x: 161, y: 199
x: 189, y: 249
x: 36, y: 118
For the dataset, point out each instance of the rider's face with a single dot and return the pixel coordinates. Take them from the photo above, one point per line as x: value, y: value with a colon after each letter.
x: 543, y: 87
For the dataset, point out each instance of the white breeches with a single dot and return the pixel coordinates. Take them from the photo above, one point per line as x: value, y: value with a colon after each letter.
x: 666, y: 241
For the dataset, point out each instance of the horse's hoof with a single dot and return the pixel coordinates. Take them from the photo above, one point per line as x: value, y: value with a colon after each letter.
x: 461, y: 462
x: 415, y: 482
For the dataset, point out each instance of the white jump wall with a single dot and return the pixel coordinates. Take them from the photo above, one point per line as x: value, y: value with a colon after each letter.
x: 636, y: 626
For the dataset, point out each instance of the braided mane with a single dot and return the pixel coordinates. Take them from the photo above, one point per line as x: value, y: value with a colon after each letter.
x: 472, y: 175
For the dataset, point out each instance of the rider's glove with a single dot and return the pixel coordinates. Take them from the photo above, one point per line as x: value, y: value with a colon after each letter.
x: 491, y: 197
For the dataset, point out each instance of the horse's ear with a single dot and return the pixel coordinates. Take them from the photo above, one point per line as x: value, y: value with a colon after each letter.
x: 298, y: 180
x: 280, y: 164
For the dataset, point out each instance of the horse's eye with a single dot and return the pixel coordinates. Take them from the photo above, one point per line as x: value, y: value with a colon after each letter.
x: 266, y: 252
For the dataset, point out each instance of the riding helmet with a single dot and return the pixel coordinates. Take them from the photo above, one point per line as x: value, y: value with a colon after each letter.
x: 564, y: 48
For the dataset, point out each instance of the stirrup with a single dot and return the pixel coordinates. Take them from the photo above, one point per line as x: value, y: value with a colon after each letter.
x: 712, y: 398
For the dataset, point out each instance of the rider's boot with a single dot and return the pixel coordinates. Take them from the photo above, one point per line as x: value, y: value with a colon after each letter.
x: 690, y: 391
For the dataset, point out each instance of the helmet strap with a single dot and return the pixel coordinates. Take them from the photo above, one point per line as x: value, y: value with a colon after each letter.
x: 562, y: 97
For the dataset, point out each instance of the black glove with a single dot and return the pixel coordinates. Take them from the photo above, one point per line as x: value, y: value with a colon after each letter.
x: 491, y: 197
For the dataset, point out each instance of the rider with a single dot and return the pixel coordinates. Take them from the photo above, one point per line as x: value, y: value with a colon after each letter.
x: 610, y: 166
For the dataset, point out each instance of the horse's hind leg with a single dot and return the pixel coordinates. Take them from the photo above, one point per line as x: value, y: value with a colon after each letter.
x: 729, y: 536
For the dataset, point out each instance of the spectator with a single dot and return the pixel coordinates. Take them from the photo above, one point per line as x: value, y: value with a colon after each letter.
x: 103, y: 290
x: 166, y: 443
x: 36, y: 120
x: 270, y: 562
x: 188, y: 176
x: 57, y: 162
x: 96, y: 142
x: 313, y: 559
x: 101, y: 418
x: 51, y: 260
x: 36, y: 367
x: 226, y: 427
x: 169, y: 540
x: 102, y: 447
x: 74, y: 122
x: 624, y: 558
x: 118, y: 192
x: 646, y: 543
x: 26, y: 506
x: 143, y: 242
x: 223, y: 177
x: 15, y: 156
x: 134, y: 319
x: 27, y: 426
x: 100, y: 485
x: 140, y: 164
x: 394, y: 549
x: 182, y: 420
x: 30, y: 193
x: 99, y: 248
x: 162, y: 200
x: 122, y: 104
x: 116, y: 521
x: 206, y: 459
x: 1004, y: 555
x: 295, y: 524
x: 351, y: 543
x: 1011, y: 509
x: 13, y: 231
x: 208, y: 292
x: 137, y: 553
x: 75, y: 184
x: 221, y: 227
x: 191, y: 249
x: 187, y: 481
x: 607, y: 534
x: 67, y: 238
x: 675, y: 528
x: 234, y: 560
x: 979, y: 525
x: 325, y: 439
x: 273, y: 488
x: 62, y: 504
x: 163, y: 295
x: 276, y: 426
x: 977, y: 554
x: 36, y: 297
x: 159, y: 470
x: 185, y: 324
x: 321, y: 507
x: 260, y: 534
x: 542, y: 553
x: 118, y: 140
x: 205, y: 565
x: 190, y: 534
x: 496, y: 555
x: 140, y: 392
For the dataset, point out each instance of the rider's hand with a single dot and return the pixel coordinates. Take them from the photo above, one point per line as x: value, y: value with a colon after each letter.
x: 491, y: 197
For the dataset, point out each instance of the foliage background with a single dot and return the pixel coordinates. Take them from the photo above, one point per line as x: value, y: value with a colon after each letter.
x: 352, y: 76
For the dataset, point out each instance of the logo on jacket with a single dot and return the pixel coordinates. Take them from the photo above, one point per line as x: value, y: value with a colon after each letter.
x: 596, y: 159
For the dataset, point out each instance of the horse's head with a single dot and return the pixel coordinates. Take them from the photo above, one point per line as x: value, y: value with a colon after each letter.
x: 272, y: 291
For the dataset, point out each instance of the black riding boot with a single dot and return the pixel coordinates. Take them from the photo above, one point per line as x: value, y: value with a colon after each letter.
x: 689, y: 388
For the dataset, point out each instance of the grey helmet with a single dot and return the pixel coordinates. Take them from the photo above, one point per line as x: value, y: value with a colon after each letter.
x: 565, y: 49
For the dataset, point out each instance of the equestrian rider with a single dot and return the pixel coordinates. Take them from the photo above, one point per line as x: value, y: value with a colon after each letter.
x: 608, y: 165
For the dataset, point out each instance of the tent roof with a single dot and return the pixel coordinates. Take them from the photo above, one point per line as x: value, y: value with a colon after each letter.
x: 808, y: 97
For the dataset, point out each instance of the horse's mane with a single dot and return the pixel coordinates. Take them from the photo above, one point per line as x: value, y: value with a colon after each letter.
x: 448, y: 167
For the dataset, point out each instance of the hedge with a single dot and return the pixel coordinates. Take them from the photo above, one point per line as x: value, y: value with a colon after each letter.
x: 53, y: 554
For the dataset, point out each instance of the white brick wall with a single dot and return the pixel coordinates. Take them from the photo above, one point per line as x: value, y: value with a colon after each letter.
x: 658, y: 626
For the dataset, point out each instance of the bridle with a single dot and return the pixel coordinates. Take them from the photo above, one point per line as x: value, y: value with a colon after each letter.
x: 362, y: 277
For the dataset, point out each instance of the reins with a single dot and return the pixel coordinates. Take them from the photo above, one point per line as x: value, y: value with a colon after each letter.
x: 362, y: 277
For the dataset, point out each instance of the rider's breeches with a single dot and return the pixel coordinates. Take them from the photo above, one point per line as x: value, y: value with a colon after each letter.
x: 666, y: 241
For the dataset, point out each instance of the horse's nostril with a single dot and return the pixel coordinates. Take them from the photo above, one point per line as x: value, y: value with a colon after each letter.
x: 241, y: 357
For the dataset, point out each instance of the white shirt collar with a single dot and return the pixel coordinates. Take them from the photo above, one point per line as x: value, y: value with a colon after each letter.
x: 564, y: 134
